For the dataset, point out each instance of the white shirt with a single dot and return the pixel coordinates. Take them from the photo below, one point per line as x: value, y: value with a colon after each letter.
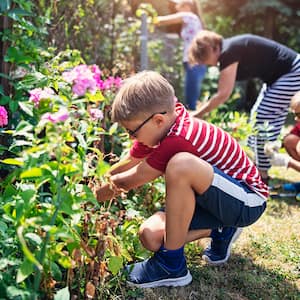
x: 191, y: 26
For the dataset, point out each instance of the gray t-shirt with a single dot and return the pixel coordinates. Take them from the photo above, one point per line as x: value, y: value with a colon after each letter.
x: 258, y: 57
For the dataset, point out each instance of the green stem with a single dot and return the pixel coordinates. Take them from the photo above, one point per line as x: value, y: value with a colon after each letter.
x: 37, y: 279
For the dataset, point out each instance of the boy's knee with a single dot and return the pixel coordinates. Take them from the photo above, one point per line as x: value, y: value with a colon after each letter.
x: 149, y: 239
x: 180, y: 162
x: 185, y: 164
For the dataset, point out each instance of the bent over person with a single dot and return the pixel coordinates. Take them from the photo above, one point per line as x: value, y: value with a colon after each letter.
x: 250, y: 56
x: 212, y: 187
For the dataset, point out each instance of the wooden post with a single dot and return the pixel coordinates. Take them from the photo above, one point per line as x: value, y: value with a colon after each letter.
x: 144, y: 40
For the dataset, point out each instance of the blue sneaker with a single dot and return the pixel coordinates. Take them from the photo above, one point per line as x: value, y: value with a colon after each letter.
x: 291, y: 187
x: 152, y: 272
x: 219, y: 250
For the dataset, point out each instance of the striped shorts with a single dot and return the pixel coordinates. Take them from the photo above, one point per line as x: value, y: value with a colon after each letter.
x: 270, y: 111
x: 227, y: 202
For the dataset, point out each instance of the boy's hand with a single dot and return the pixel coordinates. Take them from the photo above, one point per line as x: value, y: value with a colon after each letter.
x: 104, y: 191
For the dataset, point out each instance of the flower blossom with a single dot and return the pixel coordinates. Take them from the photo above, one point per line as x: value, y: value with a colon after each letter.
x: 109, y: 83
x: 60, y: 116
x: 36, y: 95
x: 83, y: 79
x: 3, y: 116
x: 96, y: 114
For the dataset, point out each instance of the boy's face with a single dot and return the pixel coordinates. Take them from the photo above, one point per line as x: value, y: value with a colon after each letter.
x: 147, y: 131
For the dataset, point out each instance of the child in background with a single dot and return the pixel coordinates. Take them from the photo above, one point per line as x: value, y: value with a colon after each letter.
x: 212, y: 187
x: 189, y: 16
x: 291, y: 143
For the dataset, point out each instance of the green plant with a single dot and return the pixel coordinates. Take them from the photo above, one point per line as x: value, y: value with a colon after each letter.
x: 45, y: 200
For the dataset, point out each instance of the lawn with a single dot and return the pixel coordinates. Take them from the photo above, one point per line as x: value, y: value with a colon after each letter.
x: 265, y: 261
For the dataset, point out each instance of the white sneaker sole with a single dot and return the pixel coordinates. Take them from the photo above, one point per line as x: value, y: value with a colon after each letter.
x: 222, y: 261
x: 180, y: 281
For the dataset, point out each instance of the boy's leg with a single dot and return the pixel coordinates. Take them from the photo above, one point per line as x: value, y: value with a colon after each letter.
x: 226, y: 203
x: 168, y: 266
x: 185, y: 175
x: 233, y: 205
x: 152, y: 232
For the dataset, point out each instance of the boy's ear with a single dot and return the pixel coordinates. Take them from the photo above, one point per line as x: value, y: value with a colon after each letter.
x: 159, y: 119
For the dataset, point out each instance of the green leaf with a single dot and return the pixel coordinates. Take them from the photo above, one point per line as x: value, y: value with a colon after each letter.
x: 98, y: 96
x: 18, y: 12
x: 4, y: 100
x: 62, y: 294
x: 102, y: 168
x: 65, y: 262
x: 115, y: 264
x: 34, y: 238
x: 12, y: 161
x: 31, y: 173
x: 27, y: 108
x: 15, y: 293
x: 25, y: 270
x: 14, y: 55
x: 13, y: 106
x: 4, y: 5
x: 29, y: 255
x: 113, y: 128
x: 55, y: 271
x: 19, y: 144
x: 3, y: 227
x: 6, y: 263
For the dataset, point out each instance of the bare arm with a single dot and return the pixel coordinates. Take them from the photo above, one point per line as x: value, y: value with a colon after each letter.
x: 176, y: 18
x: 225, y: 88
x: 132, y: 178
x: 125, y: 164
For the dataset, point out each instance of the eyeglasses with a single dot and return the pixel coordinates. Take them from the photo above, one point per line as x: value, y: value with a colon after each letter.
x: 133, y: 132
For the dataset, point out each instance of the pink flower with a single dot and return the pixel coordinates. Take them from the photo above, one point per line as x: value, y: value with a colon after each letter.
x: 109, y: 83
x: 96, y: 114
x: 36, y: 95
x: 118, y: 82
x: 3, y: 116
x: 84, y: 78
x: 60, y: 116
x: 88, y: 79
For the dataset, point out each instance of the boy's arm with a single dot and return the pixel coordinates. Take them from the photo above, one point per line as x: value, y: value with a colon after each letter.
x: 125, y: 164
x: 225, y: 88
x: 127, y: 180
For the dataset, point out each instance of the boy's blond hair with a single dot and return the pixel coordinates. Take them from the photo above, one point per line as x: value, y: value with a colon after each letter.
x: 202, y: 45
x: 295, y: 101
x: 141, y: 95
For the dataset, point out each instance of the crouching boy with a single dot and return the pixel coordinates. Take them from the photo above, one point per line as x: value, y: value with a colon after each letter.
x: 212, y: 187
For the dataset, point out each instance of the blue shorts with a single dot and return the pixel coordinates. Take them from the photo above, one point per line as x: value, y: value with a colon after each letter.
x: 227, y: 202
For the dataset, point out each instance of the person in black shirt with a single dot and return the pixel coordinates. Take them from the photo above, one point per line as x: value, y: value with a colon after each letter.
x: 250, y: 56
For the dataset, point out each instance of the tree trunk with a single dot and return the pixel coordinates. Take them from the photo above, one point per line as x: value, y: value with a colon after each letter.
x: 5, y: 23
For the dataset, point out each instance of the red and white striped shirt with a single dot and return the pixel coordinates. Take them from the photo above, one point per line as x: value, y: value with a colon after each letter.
x: 206, y: 141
